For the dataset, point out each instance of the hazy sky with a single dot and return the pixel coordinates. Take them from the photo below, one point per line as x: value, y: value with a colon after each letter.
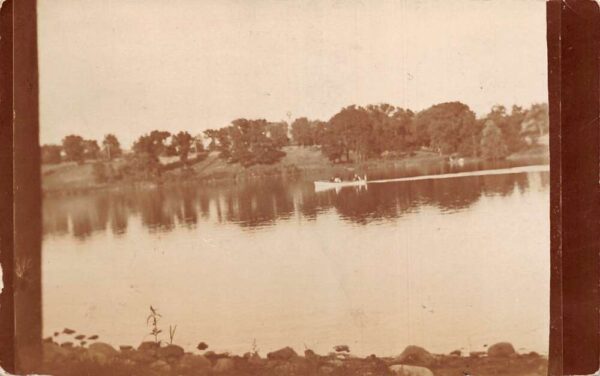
x: 130, y: 66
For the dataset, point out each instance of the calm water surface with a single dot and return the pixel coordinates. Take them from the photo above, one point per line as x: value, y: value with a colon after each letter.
x: 445, y: 264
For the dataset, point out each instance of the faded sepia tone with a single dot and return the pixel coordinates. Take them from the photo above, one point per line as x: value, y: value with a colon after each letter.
x: 253, y: 188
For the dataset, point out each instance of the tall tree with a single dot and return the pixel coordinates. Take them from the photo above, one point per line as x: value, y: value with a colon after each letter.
x: 111, y: 146
x: 302, y: 132
x: 535, y: 122
x: 493, y: 145
x: 182, y: 143
x: 445, y: 126
x: 212, y: 134
x: 146, y: 151
x: 509, y: 125
x: 73, y: 147
x: 91, y: 150
x: 278, y: 133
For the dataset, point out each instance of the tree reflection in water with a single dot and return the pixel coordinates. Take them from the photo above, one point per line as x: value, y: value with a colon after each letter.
x: 262, y: 203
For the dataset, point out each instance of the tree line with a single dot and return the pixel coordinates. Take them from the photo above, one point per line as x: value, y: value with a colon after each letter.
x: 355, y: 133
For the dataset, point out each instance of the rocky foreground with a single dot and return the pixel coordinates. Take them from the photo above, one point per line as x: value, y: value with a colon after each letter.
x: 151, y: 359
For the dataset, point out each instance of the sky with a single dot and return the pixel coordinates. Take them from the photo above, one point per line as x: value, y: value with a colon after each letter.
x: 128, y: 67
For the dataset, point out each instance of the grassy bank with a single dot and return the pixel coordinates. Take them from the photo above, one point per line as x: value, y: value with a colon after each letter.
x: 308, y: 161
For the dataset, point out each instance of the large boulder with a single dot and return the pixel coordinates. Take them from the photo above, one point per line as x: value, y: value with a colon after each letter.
x: 285, y: 353
x: 141, y: 356
x: 224, y: 365
x: 342, y: 348
x: 103, y: 348
x: 191, y: 361
x: 170, y: 351
x: 148, y: 346
x: 160, y: 366
x: 501, y: 350
x: 415, y: 355
x: 53, y: 352
x: 408, y: 370
x: 101, y: 352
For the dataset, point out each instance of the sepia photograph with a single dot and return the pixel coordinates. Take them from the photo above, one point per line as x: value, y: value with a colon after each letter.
x: 316, y: 187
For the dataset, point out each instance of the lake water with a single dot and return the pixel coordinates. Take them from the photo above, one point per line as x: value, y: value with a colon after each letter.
x: 445, y: 264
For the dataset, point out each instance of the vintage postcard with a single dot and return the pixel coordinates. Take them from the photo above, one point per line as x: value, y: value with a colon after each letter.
x: 291, y: 188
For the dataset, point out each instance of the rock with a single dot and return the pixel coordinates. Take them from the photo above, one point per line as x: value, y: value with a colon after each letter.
x: 56, y: 334
x: 282, y: 354
x: 48, y: 340
x: 213, y: 357
x: 202, y: 346
x: 68, y: 331
x: 160, y: 366
x: 477, y: 354
x: 193, y: 362
x: 101, y: 353
x: 83, y: 343
x: 456, y: 353
x: 170, y: 351
x: 52, y: 352
x: 342, y: 348
x: 336, y: 363
x: 93, y: 337
x: 80, y: 337
x: 501, y: 350
x: 148, y: 345
x: 415, y: 355
x: 125, y: 348
x: 408, y: 370
x: 143, y: 357
x: 224, y: 365
x: 103, y: 348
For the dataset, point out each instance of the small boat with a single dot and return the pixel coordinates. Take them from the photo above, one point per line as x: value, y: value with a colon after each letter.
x: 321, y: 185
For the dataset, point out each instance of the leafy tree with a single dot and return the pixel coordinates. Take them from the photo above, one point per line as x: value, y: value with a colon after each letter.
x: 535, y: 122
x: 353, y: 126
x: 509, y: 125
x: 391, y: 128
x: 51, y: 154
x: 73, y: 146
x: 212, y: 135
x: 493, y: 145
x: 182, y: 143
x: 146, y: 151
x: 302, y: 132
x: 278, y: 133
x: 446, y: 127
x: 91, y: 149
x: 111, y: 146
x: 198, y: 144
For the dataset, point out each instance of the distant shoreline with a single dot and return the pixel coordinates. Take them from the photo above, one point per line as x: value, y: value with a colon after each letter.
x: 74, y: 179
